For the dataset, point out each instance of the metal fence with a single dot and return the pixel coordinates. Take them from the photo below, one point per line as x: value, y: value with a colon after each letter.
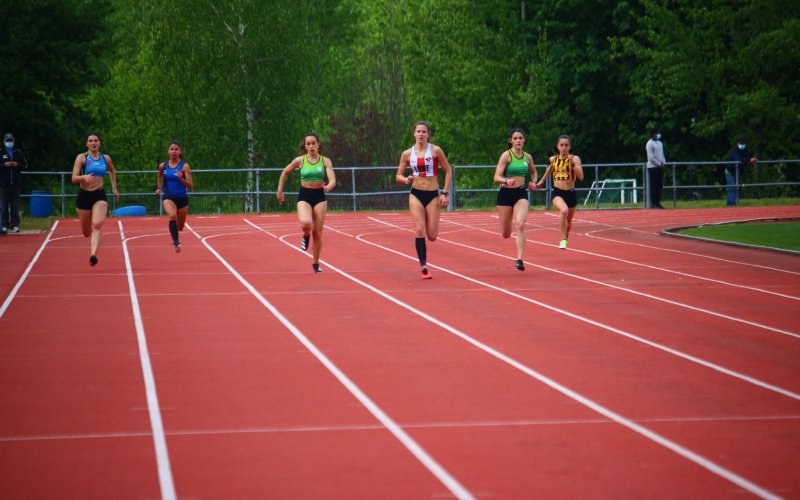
x: 614, y: 185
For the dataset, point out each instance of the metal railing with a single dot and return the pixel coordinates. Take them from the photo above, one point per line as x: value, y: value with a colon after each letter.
x: 374, y: 188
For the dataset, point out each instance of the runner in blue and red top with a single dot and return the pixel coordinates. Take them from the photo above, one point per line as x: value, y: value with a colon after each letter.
x: 425, y: 200
x: 174, y: 179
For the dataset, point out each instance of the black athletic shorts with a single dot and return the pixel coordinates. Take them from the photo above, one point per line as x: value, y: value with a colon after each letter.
x: 570, y: 197
x: 425, y: 197
x: 87, y: 199
x: 508, y: 197
x: 179, y: 201
x: 311, y: 196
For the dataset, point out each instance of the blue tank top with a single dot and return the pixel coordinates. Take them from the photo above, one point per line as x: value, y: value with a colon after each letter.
x: 172, y: 186
x: 97, y: 167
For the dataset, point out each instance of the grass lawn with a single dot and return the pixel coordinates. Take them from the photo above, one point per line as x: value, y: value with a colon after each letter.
x: 784, y: 235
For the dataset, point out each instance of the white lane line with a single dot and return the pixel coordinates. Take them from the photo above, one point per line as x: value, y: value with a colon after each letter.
x: 591, y: 234
x: 27, y: 271
x: 592, y: 322
x: 596, y: 407
x: 622, y: 289
x: 159, y: 440
x: 260, y: 228
x: 656, y: 268
x: 405, y: 439
x: 467, y: 424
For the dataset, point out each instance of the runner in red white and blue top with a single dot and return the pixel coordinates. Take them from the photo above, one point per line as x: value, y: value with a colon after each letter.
x: 425, y: 200
x: 174, y: 179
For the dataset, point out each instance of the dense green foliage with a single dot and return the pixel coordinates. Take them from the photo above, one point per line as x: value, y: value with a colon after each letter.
x: 240, y: 81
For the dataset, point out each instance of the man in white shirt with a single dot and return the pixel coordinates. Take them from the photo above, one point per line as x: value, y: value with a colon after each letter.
x: 655, y: 168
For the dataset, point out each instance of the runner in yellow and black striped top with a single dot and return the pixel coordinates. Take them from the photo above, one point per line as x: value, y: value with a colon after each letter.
x: 566, y: 169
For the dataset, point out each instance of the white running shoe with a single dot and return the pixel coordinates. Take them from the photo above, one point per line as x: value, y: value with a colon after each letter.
x: 563, y: 245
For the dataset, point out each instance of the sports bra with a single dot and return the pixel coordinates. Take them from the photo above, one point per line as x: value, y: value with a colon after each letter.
x: 426, y: 166
x: 97, y: 167
x: 517, y: 167
x: 312, y: 172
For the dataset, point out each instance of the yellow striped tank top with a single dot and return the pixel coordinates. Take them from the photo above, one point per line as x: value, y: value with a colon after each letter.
x: 562, y: 169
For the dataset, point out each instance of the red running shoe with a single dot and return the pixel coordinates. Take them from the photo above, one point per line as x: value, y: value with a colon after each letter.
x: 425, y: 274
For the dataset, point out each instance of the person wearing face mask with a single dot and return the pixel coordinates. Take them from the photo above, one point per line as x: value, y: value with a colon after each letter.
x: 12, y: 161
x: 739, y: 156
x: 655, y: 168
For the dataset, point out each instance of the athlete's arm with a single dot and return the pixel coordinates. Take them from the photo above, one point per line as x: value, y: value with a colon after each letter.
x: 444, y: 198
x: 577, y: 167
x: 401, y: 177
x: 532, y: 170
x: 112, y: 174
x: 330, y: 174
x: 160, y: 178
x: 186, y: 180
x: 77, y: 178
x: 504, y: 160
x: 294, y: 165
x: 547, y: 172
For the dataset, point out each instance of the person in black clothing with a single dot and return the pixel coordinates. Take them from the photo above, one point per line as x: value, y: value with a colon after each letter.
x: 12, y: 161
x: 739, y: 156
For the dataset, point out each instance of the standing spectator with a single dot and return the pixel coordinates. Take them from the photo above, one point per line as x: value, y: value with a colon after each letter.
x: 655, y: 168
x: 11, y: 164
x: 739, y: 156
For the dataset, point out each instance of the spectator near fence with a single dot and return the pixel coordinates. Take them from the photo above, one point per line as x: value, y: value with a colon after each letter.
x: 739, y: 156
x: 12, y: 162
x: 655, y: 168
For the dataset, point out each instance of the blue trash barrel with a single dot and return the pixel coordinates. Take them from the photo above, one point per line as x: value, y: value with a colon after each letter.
x: 40, y: 204
x: 132, y: 210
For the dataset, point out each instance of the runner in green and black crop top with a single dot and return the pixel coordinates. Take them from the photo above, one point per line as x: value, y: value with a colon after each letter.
x: 512, y: 198
x: 312, y: 205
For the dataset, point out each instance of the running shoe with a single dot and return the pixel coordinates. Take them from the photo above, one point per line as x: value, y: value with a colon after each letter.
x: 316, y: 267
x: 425, y: 274
x: 92, y: 260
x: 563, y: 245
x: 520, y: 265
x: 304, y: 242
x: 14, y: 229
x: 178, y: 247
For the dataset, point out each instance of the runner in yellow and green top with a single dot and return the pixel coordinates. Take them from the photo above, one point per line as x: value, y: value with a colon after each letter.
x: 512, y: 198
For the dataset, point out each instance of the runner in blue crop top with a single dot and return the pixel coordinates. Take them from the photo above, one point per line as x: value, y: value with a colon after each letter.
x: 312, y: 205
x: 91, y: 204
x: 512, y: 199
x: 174, y: 179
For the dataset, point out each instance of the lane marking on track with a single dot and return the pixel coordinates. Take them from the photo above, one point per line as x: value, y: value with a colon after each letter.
x: 260, y: 228
x: 408, y: 425
x: 680, y: 354
x: 615, y: 287
x: 27, y: 271
x: 154, y: 411
x: 591, y: 234
x: 592, y: 405
x: 450, y: 482
x: 648, y: 266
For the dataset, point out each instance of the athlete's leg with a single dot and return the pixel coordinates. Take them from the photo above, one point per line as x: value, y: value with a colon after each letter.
x: 418, y: 216
x: 520, y: 215
x: 85, y: 218
x: 563, y: 213
x: 570, y: 215
x: 504, y: 213
x: 172, y: 214
x: 318, y: 214
x: 99, y: 212
x: 432, y: 212
x: 181, y: 217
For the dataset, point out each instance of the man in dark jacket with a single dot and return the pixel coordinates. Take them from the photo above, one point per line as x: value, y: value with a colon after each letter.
x: 12, y: 162
x: 739, y: 156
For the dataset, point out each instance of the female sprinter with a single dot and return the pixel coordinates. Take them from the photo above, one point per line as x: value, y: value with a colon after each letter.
x: 512, y: 198
x: 312, y: 206
x: 92, y: 205
x: 566, y: 169
x: 425, y: 200
x: 174, y: 178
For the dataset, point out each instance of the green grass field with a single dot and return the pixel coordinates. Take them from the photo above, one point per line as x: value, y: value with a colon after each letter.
x: 785, y: 235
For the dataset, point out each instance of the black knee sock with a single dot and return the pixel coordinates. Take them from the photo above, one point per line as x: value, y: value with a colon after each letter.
x: 173, y: 230
x: 422, y: 251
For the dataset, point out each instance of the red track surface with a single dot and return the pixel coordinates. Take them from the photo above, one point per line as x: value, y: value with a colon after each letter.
x: 630, y: 365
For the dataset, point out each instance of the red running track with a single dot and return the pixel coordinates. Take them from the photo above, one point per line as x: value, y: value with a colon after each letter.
x: 630, y: 365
